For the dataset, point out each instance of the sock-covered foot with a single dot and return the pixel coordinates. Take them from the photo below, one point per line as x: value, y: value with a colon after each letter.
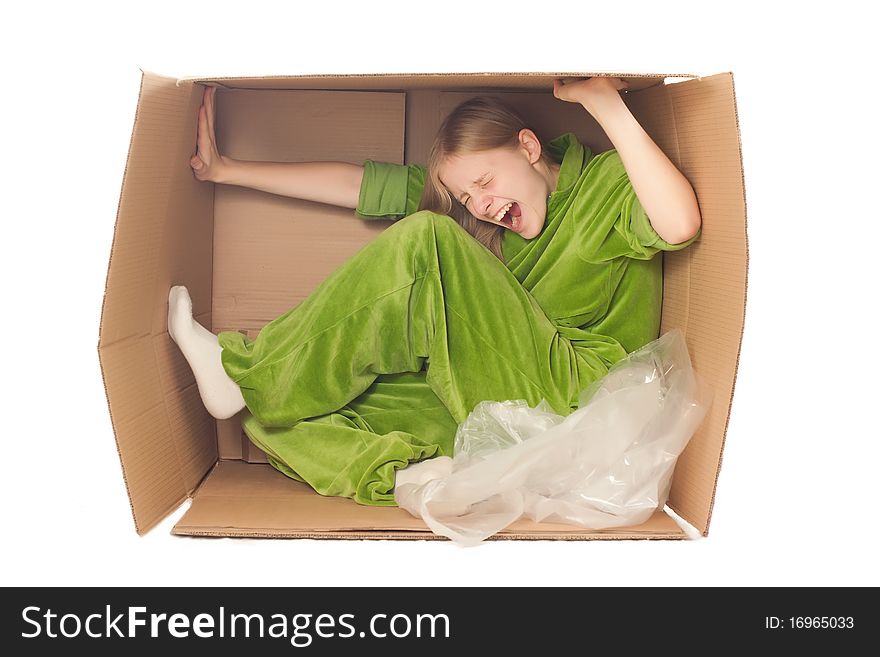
x: 220, y: 394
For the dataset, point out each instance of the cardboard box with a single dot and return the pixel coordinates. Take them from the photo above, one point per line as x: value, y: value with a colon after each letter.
x: 248, y: 256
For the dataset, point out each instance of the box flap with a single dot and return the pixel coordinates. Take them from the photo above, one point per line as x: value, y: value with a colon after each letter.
x: 162, y: 237
x: 695, y: 123
x: 410, y: 81
x: 244, y: 499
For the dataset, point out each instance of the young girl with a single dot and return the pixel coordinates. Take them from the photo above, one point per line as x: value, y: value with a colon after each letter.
x: 544, y: 279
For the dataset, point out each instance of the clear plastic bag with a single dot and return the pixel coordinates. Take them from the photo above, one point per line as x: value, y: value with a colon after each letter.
x: 607, y: 464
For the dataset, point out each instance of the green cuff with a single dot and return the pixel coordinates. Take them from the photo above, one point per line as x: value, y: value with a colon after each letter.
x: 647, y: 236
x: 383, y: 191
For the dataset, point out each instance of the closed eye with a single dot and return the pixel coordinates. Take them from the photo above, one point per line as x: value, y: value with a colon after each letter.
x: 482, y: 182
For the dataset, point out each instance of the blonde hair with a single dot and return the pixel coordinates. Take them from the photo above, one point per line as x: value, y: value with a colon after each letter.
x: 478, y: 124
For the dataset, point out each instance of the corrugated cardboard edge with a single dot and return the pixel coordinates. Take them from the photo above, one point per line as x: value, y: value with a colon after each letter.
x: 103, y: 307
x: 251, y: 500
x: 417, y: 536
x: 467, y: 79
x: 175, y: 413
x: 147, y: 527
x: 705, y: 529
x: 697, y: 509
x: 481, y: 74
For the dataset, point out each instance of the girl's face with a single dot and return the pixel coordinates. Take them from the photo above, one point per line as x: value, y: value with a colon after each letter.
x: 503, y: 186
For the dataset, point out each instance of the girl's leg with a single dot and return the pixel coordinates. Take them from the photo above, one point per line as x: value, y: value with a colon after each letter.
x: 424, y: 292
x: 356, y: 451
x: 220, y: 394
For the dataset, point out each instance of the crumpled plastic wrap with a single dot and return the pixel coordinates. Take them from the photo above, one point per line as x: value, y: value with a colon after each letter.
x: 607, y: 464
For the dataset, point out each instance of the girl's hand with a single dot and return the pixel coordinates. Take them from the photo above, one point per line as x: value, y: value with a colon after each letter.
x: 207, y: 164
x: 589, y: 92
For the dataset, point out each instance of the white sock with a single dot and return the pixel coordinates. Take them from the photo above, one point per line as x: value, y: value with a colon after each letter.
x: 220, y: 394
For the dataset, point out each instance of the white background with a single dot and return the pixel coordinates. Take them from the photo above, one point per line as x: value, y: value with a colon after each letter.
x: 797, y: 497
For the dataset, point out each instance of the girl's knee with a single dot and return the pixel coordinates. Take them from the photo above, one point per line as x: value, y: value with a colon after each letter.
x: 426, y: 216
x: 426, y: 220
x: 421, y: 229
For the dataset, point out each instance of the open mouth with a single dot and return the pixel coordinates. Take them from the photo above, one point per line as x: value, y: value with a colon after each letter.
x: 509, y: 216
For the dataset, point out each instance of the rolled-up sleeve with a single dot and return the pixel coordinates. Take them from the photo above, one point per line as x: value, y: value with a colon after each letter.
x: 641, y: 228
x: 611, y: 222
x: 390, y: 191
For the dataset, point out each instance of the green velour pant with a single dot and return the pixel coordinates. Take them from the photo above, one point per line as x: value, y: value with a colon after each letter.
x: 381, y: 362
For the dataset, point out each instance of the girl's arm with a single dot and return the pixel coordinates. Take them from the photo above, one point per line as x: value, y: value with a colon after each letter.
x: 665, y: 194
x: 336, y: 183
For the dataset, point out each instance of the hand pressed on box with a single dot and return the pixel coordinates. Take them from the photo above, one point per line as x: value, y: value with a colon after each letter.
x: 207, y: 163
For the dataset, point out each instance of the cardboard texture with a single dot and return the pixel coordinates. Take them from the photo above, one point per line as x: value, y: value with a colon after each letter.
x: 248, y: 256
x: 240, y: 499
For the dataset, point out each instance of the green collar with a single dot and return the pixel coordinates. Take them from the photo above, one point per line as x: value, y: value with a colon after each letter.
x: 572, y: 156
